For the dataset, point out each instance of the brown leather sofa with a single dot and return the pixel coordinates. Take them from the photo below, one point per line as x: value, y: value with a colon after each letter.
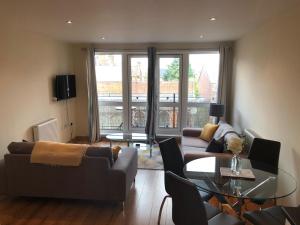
x: 193, y: 147
x: 97, y: 178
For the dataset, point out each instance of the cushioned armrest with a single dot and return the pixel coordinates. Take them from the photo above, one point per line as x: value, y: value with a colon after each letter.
x: 126, y: 157
x: 191, y: 132
x: 123, y: 172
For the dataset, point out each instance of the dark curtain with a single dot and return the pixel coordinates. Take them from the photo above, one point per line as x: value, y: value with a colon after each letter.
x: 93, y: 111
x: 226, y: 61
x: 151, y: 97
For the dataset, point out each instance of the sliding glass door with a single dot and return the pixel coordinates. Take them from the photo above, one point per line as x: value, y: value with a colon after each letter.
x: 138, y: 79
x: 186, y: 83
x: 169, y: 79
x: 110, y: 91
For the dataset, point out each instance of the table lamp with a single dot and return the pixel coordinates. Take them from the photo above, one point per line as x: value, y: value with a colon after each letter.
x: 216, y: 110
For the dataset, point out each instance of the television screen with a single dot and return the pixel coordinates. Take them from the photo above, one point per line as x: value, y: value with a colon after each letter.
x: 65, y: 87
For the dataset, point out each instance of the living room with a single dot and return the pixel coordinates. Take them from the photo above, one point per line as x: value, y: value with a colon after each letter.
x: 40, y: 40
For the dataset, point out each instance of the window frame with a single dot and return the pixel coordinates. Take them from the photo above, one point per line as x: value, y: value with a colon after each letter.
x: 188, y: 104
x: 130, y: 102
x: 182, y: 104
x: 114, y: 103
x: 161, y: 130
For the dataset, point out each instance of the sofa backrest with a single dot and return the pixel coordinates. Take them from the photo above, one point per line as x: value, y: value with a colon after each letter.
x: 85, y: 181
x: 92, y: 151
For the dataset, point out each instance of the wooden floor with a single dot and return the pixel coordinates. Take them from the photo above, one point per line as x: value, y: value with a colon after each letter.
x: 141, y: 208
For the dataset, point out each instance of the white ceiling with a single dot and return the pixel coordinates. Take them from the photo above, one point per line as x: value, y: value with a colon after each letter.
x: 140, y: 21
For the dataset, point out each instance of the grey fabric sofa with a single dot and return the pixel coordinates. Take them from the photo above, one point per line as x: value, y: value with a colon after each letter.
x: 97, y: 178
x: 193, y: 147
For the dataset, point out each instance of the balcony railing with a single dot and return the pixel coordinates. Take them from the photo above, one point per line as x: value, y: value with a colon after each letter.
x: 111, y: 116
x: 171, y: 97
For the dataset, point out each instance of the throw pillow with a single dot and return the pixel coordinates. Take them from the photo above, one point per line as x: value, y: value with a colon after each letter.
x: 216, y: 146
x: 20, y: 147
x: 208, y: 131
x: 115, y: 150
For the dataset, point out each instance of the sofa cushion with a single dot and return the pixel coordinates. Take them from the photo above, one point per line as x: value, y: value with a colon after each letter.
x: 191, y: 150
x: 191, y: 132
x: 208, y: 131
x: 215, y: 146
x: 115, y: 151
x: 92, y: 151
x: 193, y: 141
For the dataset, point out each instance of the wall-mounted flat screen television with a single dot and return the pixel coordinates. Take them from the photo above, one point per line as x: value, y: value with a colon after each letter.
x: 65, y: 87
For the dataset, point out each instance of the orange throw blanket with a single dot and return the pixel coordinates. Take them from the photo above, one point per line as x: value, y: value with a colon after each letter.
x: 52, y: 153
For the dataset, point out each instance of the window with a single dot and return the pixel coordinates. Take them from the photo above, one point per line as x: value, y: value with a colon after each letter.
x: 110, y: 89
x: 169, y: 92
x: 186, y: 83
x: 203, y: 74
x: 139, y: 79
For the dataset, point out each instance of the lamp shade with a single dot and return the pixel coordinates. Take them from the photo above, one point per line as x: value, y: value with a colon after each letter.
x: 216, y: 109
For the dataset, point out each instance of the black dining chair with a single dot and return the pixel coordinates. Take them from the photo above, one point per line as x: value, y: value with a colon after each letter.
x: 264, y: 152
x: 188, y: 207
x: 276, y: 215
x: 269, y: 216
x: 173, y: 161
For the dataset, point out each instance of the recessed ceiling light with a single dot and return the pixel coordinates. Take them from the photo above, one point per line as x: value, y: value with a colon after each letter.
x: 102, y: 38
x: 69, y: 22
x: 212, y: 19
x: 201, y: 36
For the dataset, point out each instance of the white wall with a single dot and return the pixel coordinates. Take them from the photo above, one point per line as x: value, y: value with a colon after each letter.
x: 266, y: 87
x: 79, y: 57
x: 28, y: 63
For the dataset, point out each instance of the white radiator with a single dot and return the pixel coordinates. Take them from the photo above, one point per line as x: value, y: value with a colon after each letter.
x: 250, y: 135
x: 46, y: 131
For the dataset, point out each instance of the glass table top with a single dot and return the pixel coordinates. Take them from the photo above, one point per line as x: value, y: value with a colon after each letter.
x: 127, y: 137
x: 269, y: 183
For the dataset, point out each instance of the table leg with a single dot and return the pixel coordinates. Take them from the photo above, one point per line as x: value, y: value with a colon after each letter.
x: 237, y: 206
x: 150, y: 144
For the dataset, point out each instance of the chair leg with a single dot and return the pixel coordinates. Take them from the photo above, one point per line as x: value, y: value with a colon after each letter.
x: 161, y: 208
x: 220, y: 206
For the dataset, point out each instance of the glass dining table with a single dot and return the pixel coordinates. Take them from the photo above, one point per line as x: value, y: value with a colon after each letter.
x: 269, y: 182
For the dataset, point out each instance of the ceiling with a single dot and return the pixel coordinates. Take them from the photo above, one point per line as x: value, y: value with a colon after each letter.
x: 140, y: 21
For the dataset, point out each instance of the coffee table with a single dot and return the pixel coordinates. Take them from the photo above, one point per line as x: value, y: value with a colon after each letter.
x: 129, y: 138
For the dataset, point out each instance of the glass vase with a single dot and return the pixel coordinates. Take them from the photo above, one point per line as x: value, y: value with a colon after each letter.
x: 236, y: 164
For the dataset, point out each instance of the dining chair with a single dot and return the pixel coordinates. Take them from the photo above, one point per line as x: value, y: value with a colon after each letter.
x: 292, y: 214
x: 264, y: 152
x: 188, y: 207
x: 173, y: 161
x: 276, y: 215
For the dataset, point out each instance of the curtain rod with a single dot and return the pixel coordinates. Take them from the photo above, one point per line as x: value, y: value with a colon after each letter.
x: 158, y: 49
